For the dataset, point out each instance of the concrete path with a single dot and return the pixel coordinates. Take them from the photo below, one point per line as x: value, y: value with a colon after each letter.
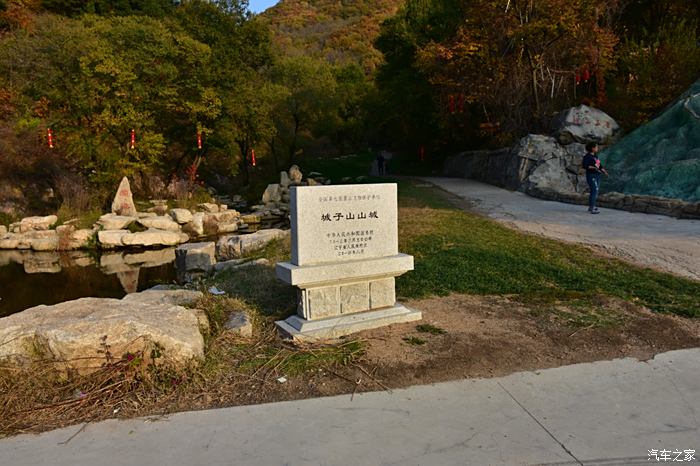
x: 609, y: 413
x: 656, y: 241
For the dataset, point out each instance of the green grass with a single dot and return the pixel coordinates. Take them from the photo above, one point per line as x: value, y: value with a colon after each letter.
x: 293, y: 361
x: 458, y: 252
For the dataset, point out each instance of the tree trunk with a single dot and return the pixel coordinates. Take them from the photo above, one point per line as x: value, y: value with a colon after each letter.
x: 243, y: 147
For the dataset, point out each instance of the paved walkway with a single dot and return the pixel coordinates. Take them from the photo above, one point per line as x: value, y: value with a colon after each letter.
x: 609, y: 413
x: 656, y: 241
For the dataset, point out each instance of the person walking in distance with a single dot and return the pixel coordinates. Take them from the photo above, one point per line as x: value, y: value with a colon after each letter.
x: 591, y: 163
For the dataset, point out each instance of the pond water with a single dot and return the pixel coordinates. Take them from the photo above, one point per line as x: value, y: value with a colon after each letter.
x: 29, y: 278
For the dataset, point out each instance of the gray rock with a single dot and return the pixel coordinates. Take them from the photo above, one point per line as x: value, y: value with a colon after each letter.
x: 234, y: 264
x: 43, y: 240
x: 181, y: 216
x: 295, y: 175
x: 585, y: 124
x: 115, y: 222
x: 123, y: 203
x: 195, y: 257
x: 196, y: 226
x: 233, y: 247
x: 33, y: 224
x: 111, y: 238
x: 284, y: 179
x: 160, y: 223
x: 272, y: 194
x: 209, y: 207
x: 239, y: 323
x: 154, y: 237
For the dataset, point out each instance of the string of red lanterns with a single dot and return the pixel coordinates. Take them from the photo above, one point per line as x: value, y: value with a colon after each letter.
x: 49, y: 135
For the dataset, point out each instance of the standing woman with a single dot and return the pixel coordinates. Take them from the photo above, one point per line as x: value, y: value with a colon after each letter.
x: 591, y: 163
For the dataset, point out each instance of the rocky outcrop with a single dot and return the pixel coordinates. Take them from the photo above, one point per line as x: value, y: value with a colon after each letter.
x: 84, y: 334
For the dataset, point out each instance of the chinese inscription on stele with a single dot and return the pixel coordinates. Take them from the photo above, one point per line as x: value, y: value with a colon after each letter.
x: 336, y: 223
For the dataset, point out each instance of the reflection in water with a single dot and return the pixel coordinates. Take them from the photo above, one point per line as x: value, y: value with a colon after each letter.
x: 30, y: 278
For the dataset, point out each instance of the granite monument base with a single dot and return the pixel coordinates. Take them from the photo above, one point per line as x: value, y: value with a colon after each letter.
x: 300, y: 329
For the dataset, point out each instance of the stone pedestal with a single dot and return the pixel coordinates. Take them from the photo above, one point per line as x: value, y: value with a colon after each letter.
x: 344, y: 261
x: 337, y: 299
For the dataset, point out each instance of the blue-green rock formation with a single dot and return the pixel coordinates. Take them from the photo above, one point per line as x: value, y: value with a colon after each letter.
x: 661, y: 158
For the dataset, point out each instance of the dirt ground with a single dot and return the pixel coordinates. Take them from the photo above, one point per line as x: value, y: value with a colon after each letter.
x: 485, y: 336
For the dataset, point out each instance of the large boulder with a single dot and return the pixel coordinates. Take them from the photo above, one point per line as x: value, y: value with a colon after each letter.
x: 123, y: 203
x: 584, y: 124
x: 549, y: 167
x: 76, y: 334
x: 236, y: 246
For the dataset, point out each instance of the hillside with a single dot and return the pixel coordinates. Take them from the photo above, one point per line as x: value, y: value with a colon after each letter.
x: 338, y: 30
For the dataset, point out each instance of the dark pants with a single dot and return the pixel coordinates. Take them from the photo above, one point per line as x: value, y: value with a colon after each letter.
x: 594, y: 184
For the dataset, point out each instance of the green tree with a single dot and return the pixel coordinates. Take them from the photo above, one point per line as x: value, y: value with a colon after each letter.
x: 309, y: 98
x: 95, y: 79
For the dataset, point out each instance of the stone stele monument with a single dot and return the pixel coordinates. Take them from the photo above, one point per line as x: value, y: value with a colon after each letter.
x: 344, y: 261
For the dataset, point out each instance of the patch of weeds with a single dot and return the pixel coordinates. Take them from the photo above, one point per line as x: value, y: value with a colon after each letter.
x: 294, y: 361
x: 578, y: 315
x: 415, y: 341
x: 431, y: 329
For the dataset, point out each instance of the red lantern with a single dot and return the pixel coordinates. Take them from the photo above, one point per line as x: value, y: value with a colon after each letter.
x: 252, y: 157
x: 199, y: 140
x: 421, y: 152
x: 586, y: 75
x: 49, y: 134
x: 133, y: 139
x: 578, y: 79
x: 452, y: 103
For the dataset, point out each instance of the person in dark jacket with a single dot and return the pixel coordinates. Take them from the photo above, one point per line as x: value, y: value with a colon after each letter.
x: 591, y: 163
